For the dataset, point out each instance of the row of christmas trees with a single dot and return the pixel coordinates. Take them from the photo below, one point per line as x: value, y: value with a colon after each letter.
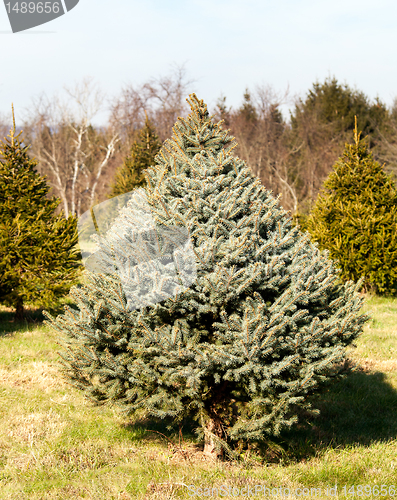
x: 355, y: 218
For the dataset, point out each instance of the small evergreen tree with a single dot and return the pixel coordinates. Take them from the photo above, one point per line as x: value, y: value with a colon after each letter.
x: 38, y: 261
x: 143, y: 151
x: 355, y: 218
x: 263, y: 325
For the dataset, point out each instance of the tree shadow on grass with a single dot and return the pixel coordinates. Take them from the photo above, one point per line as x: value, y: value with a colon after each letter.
x: 357, y: 410
x: 156, y: 429
x: 8, y: 324
x: 33, y: 318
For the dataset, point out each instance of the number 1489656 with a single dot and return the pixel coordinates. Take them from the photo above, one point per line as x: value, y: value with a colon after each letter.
x: 32, y: 7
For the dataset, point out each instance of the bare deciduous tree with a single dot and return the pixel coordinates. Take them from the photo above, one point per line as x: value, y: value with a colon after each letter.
x: 163, y: 98
x: 71, y: 151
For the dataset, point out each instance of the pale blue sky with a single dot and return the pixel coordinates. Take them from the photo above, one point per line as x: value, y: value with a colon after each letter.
x: 226, y: 45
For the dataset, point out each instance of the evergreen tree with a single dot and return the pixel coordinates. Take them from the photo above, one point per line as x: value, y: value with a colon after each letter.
x: 321, y: 124
x: 247, y: 110
x: 143, y: 151
x: 355, y: 218
x: 335, y: 107
x: 38, y: 261
x: 222, y: 111
x: 263, y: 324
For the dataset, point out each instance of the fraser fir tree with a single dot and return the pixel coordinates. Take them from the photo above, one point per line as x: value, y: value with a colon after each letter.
x: 263, y: 325
x: 355, y: 218
x: 143, y: 151
x: 38, y: 261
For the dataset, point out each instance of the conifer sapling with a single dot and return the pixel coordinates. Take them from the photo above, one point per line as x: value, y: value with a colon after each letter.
x: 143, y: 151
x: 355, y: 219
x: 39, y: 261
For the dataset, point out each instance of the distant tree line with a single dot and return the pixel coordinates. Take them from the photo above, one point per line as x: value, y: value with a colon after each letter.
x: 293, y: 157
x: 85, y: 164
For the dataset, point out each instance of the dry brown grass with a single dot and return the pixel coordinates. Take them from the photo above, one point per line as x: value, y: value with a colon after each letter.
x: 371, y: 365
x: 35, y: 426
x: 36, y: 375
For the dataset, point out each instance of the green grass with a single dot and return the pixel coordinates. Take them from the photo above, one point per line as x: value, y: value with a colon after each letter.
x: 56, y: 445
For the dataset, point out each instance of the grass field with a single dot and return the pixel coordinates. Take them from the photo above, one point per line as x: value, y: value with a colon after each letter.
x: 56, y: 445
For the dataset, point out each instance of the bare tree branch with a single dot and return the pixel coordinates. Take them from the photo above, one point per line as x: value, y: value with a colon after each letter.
x: 68, y: 146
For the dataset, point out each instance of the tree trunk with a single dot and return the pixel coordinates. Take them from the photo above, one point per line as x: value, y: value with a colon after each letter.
x: 20, y: 311
x: 213, y: 427
x: 214, y: 430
